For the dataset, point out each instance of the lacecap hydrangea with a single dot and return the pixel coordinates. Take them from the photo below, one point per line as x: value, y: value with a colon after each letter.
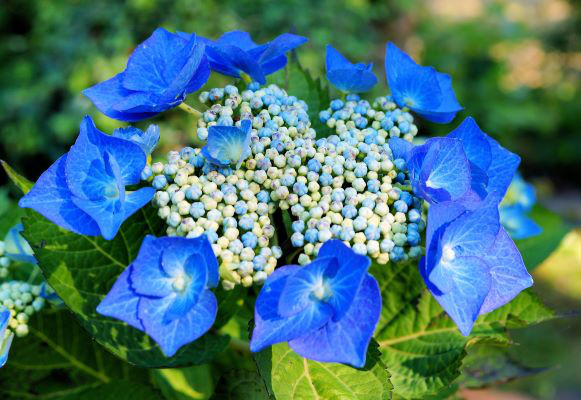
x: 266, y: 201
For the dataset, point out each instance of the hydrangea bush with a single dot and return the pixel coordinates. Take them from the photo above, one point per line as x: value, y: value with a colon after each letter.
x: 346, y: 252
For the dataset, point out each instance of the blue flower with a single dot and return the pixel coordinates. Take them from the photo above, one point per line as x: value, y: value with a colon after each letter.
x: 6, y: 336
x: 146, y: 140
x: 228, y: 145
x: 347, y: 76
x: 471, y: 265
x: 84, y: 190
x: 421, y: 89
x: 235, y: 53
x: 165, y: 291
x: 159, y: 75
x: 16, y: 247
x: 326, y: 310
x: 515, y: 207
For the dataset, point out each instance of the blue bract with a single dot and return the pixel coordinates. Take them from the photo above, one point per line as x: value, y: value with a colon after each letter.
x: 5, y: 335
x: 228, y: 145
x: 471, y: 265
x: 514, y: 209
x: 326, y: 310
x: 84, y: 190
x: 164, y: 292
x: 422, y: 89
x: 16, y: 247
x: 347, y: 76
x: 159, y: 74
x: 146, y: 140
x: 235, y: 53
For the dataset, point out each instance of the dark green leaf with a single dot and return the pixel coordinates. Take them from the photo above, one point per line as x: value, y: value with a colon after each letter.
x: 240, y: 384
x: 420, y: 344
x: 82, y: 270
x: 289, y: 376
x: 21, y: 182
x: 115, y: 390
x: 185, y: 383
x: 536, y: 249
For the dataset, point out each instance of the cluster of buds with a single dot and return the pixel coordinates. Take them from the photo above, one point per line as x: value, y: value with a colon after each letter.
x: 22, y: 300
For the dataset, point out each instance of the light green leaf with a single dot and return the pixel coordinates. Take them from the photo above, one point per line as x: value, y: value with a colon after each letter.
x: 116, y: 390
x: 289, y: 376
x: 185, y: 383
x: 82, y: 270
x: 419, y: 343
x: 536, y: 249
x: 240, y: 384
x: 21, y: 182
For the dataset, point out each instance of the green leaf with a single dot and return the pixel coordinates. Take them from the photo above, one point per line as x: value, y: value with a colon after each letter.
x: 289, y: 376
x: 116, y: 390
x: 487, y: 365
x: 185, y: 383
x: 21, y: 182
x: 536, y: 249
x: 229, y: 303
x: 58, y: 345
x: 240, y: 384
x: 299, y: 82
x: 420, y: 344
x: 82, y: 270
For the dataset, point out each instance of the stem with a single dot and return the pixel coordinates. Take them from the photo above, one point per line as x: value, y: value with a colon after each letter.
x: 246, y: 78
x: 239, y: 345
x: 190, y: 109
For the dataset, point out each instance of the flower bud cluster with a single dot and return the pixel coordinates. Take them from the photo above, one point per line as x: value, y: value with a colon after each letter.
x: 23, y: 300
x: 346, y: 186
x: 383, y: 119
x: 4, y: 262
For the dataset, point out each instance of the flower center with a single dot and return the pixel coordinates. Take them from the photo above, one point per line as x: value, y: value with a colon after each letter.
x: 321, y: 291
x: 181, y: 282
x: 110, y: 191
x: 448, y: 254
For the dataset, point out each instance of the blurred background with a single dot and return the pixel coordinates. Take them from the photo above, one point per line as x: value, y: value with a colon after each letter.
x: 516, y: 68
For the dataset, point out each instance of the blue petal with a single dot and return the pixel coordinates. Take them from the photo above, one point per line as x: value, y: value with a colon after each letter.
x: 227, y: 144
x: 231, y: 60
x: 6, y: 336
x: 346, y: 340
x: 148, y: 277
x: 122, y: 302
x: 347, y: 76
x: 276, y: 330
x: 4, y: 318
x: 52, y: 198
x: 345, y: 281
x: 157, y: 61
x: 108, y: 94
x: 400, y: 148
x: 473, y: 232
x: 16, y: 247
x: 447, y: 110
x: 136, y: 200
x: 445, y: 171
x: 471, y: 280
x: 147, y: 140
x: 281, y: 45
x: 239, y: 39
x: 475, y: 143
x: 180, y: 331
x: 518, y: 224
x: 185, y: 300
x: 269, y: 296
x: 412, y: 86
x: 508, y: 272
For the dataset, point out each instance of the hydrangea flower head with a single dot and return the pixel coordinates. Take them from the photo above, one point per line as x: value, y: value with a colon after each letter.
x: 84, y: 190
x: 347, y: 76
x: 228, y: 145
x: 159, y: 74
x: 146, y: 140
x: 6, y: 336
x: 423, y: 89
x: 165, y: 291
x: 235, y: 53
x: 515, y: 207
x: 471, y: 265
x: 326, y: 310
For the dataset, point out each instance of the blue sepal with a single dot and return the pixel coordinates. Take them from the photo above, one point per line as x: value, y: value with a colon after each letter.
x: 347, y: 76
